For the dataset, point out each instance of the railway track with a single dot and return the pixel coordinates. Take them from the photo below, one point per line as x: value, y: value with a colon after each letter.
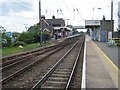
x: 7, y: 69
x: 25, y: 58
x: 26, y: 55
x: 61, y: 74
x: 12, y: 72
x: 20, y: 58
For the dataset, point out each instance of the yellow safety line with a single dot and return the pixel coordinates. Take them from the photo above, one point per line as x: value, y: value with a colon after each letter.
x: 107, y: 57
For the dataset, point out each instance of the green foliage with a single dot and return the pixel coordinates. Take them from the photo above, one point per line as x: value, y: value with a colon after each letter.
x: 36, y: 36
x: 36, y: 33
x: 45, y: 33
x: 36, y: 27
x: 17, y: 43
x: 33, y: 35
x: 35, y: 30
x: 16, y: 34
x: 26, y: 37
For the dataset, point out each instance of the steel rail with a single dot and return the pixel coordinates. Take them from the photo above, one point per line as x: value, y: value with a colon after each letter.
x: 30, y: 65
x: 16, y: 57
x: 26, y: 67
x: 43, y: 79
x: 27, y: 58
x: 23, y: 56
x: 30, y: 55
x: 74, y: 67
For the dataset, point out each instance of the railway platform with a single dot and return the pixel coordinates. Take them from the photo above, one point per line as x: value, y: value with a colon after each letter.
x: 101, y: 72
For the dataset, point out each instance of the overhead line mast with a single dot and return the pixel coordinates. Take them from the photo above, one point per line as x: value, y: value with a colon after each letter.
x: 40, y: 23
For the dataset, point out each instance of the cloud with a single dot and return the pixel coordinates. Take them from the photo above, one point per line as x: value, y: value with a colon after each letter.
x: 15, y: 6
x: 15, y: 13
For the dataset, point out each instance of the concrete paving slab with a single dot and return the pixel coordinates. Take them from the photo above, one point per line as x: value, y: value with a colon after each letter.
x: 100, y: 73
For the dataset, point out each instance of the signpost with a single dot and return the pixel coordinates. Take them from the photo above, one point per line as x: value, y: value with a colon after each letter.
x: 109, y: 35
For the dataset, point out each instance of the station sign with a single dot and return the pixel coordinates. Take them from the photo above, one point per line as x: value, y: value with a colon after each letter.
x: 92, y: 22
x: 9, y: 34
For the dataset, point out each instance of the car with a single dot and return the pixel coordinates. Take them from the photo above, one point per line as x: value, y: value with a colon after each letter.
x: 117, y: 41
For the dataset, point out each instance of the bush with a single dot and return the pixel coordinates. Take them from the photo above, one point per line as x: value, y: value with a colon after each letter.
x: 26, y: 37
x: 17, y: 43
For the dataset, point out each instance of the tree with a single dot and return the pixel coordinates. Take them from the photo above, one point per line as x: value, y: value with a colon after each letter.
x: 2, y: 29
x: 36, y: 32
x: 16, y: 34
x: 26, y: 37
x: 36, y: 36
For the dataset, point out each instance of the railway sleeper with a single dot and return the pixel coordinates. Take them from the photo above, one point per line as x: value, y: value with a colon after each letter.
x: 58, y: 78
x: 62, y: 72
x: 54, y: 84
x: 56, y: 75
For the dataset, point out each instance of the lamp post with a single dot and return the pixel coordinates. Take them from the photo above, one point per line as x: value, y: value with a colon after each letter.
x: 112, y: 18
x: 26, y: 26
x: 67, y: 21
x: 92, y: 13
x: 73, y: 14
x: 102, y: 10
x: 53, y: 29
x: 102, y: 20
x: 57, y: 12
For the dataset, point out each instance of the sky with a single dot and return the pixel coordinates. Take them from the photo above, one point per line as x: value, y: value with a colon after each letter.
x: 16, y: 15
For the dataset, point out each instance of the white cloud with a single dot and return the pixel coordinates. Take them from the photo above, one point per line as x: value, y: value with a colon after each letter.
x: 15, y: 20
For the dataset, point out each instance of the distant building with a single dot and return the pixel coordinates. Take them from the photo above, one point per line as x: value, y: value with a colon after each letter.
x: 55, y: 26
x: 99, y: 30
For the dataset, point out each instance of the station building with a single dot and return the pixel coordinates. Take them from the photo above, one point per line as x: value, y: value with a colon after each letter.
x: 99, y: 30
x: 56, y: 27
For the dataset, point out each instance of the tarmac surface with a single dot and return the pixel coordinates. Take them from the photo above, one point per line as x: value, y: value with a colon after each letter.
x: 111, y: 52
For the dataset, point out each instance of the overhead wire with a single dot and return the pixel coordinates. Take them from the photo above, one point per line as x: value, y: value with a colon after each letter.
x: 62, y: 13
x: 76, y: 10
x: 67, y: 6
x: 94, y: 8
x: 80, y: 14
x: 24, y: 6
x: 18, y: 4
x: 28, y: 7
x: 96, y: 4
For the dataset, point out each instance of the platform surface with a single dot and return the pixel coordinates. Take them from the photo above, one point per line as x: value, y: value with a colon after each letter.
x: 111, y: 52
x: 100, y: 71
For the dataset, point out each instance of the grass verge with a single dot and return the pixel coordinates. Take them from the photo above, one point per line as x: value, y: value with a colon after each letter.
x: 13, y: 50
